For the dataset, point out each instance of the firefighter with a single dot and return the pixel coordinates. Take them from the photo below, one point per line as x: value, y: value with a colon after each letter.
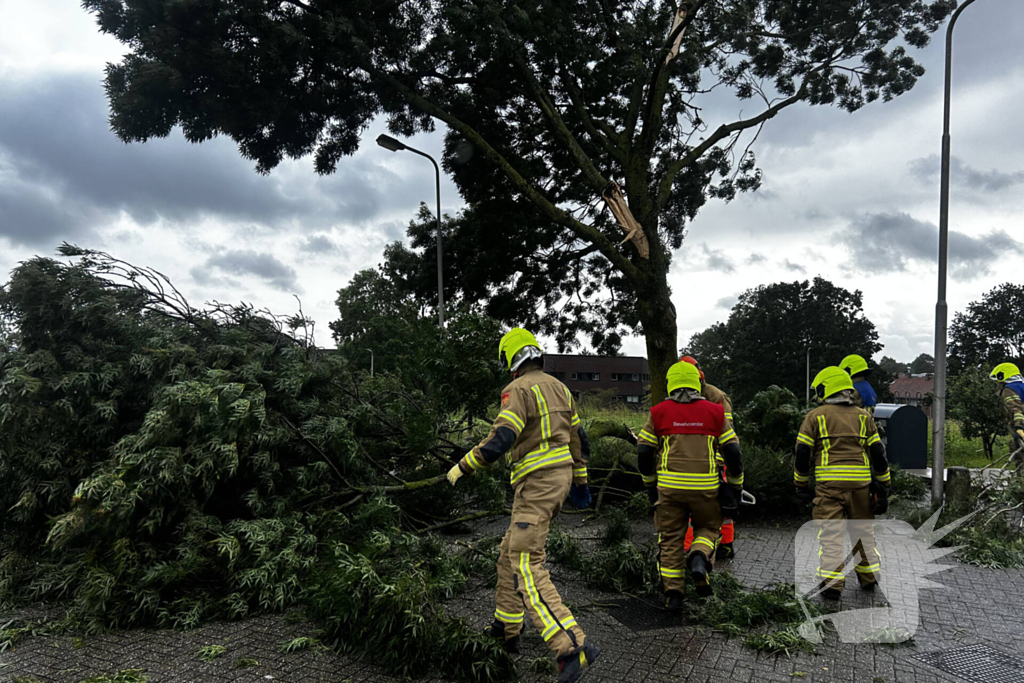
x: 858, y: 369
x: 538, y: 431
x: 1012, y: 393
x: 715, y: 395
x: 676, y: 455
x: 840, y: 442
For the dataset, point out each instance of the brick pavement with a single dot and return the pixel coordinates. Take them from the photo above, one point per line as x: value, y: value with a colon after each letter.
x: 980, y: 606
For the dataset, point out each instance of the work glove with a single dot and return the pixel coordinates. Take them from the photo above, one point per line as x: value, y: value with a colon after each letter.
x: 729, y: 500
x: 1018, y: 440
x: 880, y: 496
x: 454, y: 474
x: 580, y: 494
x: 652, y: 495
x: 804, y: 494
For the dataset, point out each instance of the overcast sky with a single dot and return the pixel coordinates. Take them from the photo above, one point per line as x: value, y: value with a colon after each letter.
x: 851, y: 197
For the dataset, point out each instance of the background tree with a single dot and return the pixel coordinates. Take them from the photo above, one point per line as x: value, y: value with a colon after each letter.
x: 892, y: 366
x: 765, y: 339
x: 923, y: 364
x: 974, y: 402
x: 557, y: 98
x: 990, y: 331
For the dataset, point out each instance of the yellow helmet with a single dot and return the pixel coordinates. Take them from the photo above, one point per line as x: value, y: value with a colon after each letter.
x: 514, y: 341
x: 831, y: 381
x: 853, y: 364
x: 1004, y: 371
x: 683, y: 375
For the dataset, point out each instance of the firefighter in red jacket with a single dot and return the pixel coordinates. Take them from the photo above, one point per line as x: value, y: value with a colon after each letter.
x: 712, y: 393
x: 678, y: 460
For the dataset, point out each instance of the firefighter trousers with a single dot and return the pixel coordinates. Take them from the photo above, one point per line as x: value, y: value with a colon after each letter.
x: 840, y: 513
x: 675, y: 511
x: 524, y: 585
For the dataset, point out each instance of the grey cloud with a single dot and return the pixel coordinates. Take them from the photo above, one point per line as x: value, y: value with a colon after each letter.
x: 727, y: 302
x: 715, y: 259
x: 927, y: 169
x: 886, y: 242
x: 793, y: 267
x: 246, y: 262
x: 756, y: 258
x: 63, y: 174
x: 318, y: 244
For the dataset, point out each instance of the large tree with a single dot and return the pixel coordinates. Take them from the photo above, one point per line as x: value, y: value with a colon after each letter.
x: 558, y: 98
x: 990, y: 331
x: 765, y: 339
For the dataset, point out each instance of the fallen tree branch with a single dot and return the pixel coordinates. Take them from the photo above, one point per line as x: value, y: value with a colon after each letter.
x: 408, y: 486
x: 465, y: 518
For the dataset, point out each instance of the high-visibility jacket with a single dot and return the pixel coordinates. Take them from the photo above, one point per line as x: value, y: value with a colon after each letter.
x: 684, y: 436
x: 1012, y: 395
x: 538, y: 427
x: 842, y: 439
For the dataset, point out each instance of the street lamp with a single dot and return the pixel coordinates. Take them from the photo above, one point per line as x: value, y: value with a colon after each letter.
x: 371, y: 362
x: 808, y: 374
x: 393, y: 145
x: 941, y: 313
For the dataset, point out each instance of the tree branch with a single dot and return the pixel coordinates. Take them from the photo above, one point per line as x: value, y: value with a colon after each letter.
x: 610, y: 142
x: 583, y: 231
x: 723, y: 131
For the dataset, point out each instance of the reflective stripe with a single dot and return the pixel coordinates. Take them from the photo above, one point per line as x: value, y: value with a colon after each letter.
x: 738, y: 481
x: 875, y: 438
x: 644, y: 434
x: 801, y: 478
x: 533, y: 594
x: 671, y: 573
x: 728, y: 416
x: 701, y: 539
x: 885, y: 478
x: 825, y: 442
x: 711, y: 455
x: 579, y: 471
x: 545, y: 415
x: 575, y: 420
x: 731, y: 434
x: 843, y: 473
x: 664, y: 454
x: 474, y: 461
x: 804, y: 439
x: 513, y: 418
x: 509, y: 618
x: 822, y: 574
x: 649, y: 478
x: 537, y: 459
x: 869, y: 569
x: 688, y: 482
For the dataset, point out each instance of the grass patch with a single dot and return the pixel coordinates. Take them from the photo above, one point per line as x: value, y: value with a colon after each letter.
x: 246, y: 663
x: 302, y: 643
x: 210, y: 652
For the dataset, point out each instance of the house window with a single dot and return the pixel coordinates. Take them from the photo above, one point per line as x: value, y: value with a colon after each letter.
x: 632, y: 399
x: 636, y: 377
x: 596, y: 376
x: 614, y: 377
x: 573, y: 376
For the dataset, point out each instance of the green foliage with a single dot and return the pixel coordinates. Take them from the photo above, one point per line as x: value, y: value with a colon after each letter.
x: 639, y: 505
x: 990, y: 331
x: 564, y: 549
x: 209, y: 653
x: 302, y: 643
x: 624, y: 568
x: 974, y: 402
x: 903, y: 486
x: 246, y: 663
x: 764, y: 341
x: 784, y: 642
x: 771, y: 419
x: 924, y: 363
x: 123, y: 676
x: 768, y: 475
x: 617, y: 528
x: 382, y: 599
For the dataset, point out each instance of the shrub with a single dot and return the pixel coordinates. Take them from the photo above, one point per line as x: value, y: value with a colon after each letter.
x: 771, y: 419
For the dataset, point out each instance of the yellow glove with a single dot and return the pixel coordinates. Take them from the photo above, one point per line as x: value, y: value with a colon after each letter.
x: 1020, y: 436
x: 454, y: 474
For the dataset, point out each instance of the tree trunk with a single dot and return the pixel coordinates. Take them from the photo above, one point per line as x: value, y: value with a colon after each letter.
x: 658, y: 317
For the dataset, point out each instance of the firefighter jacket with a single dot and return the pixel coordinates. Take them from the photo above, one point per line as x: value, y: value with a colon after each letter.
x: 716, y: 395
x: 677, y: 447
x: 538, y: 427
x: 840, y: 442
x: 1012, y: 395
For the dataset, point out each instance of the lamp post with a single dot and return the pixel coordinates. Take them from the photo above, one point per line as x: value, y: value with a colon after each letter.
x: 808, y: 385
x: 941, y: 312
x: 371, y: 362
x: 391, y: 144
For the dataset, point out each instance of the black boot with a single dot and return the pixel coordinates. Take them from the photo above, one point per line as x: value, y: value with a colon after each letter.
x: 869, y: 587
x: 497, y: 631
x: 831, y: 594
x: 571, y: 666
x: 725, y: 552
x: 674, y: 601
x: 700, y: 569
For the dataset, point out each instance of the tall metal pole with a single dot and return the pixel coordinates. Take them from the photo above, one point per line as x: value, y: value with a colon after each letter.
x: 941, y: 312
x: 808, y: 385
x: 371, y: 362
x: 393, y: 145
